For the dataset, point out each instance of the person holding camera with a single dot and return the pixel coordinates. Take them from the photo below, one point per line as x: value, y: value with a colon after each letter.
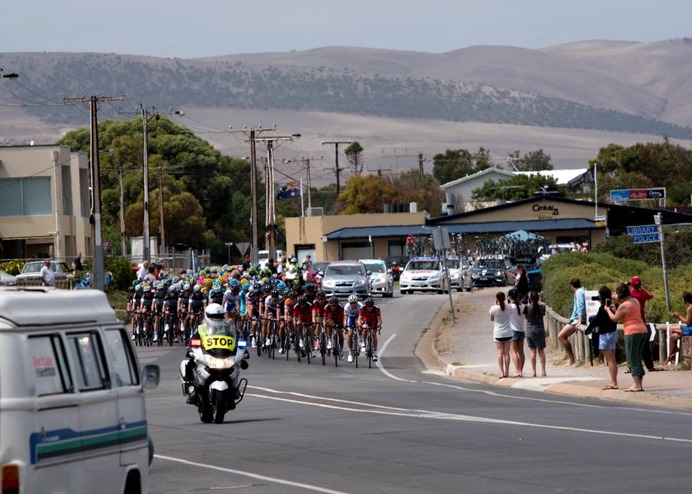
x: 629, y: 312
x: 605, y: 330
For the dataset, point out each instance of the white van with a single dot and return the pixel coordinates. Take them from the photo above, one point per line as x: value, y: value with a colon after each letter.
x: 263, y: 257
x: 72, y: 416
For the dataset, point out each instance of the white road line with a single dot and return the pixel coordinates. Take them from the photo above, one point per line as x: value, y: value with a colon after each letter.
x: 428, y: 414
x: 385, y: 371
x: 243, y: 473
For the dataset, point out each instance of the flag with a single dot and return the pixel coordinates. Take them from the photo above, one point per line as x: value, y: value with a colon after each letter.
x: 291, y: 190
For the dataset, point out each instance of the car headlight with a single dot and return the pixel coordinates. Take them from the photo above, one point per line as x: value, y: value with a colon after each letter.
x: 475, y: 275
x: 219, y: 363
x: 359, y: 283
x: 327, y: 283
x: 434, y: 277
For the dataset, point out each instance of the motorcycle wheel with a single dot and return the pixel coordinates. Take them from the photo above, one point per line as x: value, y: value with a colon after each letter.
x: 206, y: 416
x: 218, y: 407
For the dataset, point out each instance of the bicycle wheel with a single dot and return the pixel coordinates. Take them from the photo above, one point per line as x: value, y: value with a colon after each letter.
x: 272, y: 345
x: 323, y: 347
x: 356, y: 345
x: 369, y: 348
x: 159, y: 331
x: 336, y: 349
x: 287, y: 342
x: 306, y: 340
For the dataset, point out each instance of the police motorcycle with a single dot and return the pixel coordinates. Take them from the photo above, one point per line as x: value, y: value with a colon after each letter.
x: 210, y: 374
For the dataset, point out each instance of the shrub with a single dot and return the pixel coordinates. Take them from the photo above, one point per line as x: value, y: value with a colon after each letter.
x: 122, y: 272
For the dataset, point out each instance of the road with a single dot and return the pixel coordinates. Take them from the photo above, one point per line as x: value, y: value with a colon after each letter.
x: 399, y: 428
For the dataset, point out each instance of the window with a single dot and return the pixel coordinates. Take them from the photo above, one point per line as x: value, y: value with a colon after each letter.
x: 87, y: 355
x: 123, y: 360
x: 49, y: 362
x: 25, y: 196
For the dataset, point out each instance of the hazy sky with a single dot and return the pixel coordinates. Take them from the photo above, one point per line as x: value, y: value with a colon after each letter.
x: 199, y: 28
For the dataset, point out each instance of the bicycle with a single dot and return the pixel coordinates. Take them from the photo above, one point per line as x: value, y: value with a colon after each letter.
x: 355, y: 345
x: 322, y: 339
x: 336, y: 346
x: 369, y: 346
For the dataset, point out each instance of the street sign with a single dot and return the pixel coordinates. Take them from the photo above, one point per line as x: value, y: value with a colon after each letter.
x: 619, y: 195
x: 646, y: 238
x: 106, y: 245
x: 642, y: 229
x: 242, y: 246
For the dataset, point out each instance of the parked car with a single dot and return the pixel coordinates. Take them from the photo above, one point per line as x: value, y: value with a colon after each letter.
x: 31, y: 272
x: 318, y: 266
x: 6, y: 279
x: 381, y: 280
x: 344, y: 278
x: 424, y: 274
x: 456, y: 267
x: 487, y: 272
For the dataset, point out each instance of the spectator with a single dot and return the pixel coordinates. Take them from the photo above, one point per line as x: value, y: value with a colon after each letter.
x: 77, y: 266
x: 516, y: 321
x: 521, y: 283
x: 642, y: 296
x: 682, y: 329
x: 47, y: 274
x: 629, y: 312
x: 143, y: 270
x: 150, y: 277
x: 535, y: 331
x: 578, y: 317
x: 607, y: 335
x: 502, y: 333
x: 246, y: 262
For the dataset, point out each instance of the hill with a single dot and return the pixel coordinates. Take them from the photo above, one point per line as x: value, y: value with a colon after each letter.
x: 558, y: 98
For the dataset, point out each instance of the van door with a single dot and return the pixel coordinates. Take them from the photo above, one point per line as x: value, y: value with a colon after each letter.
x: 134, y: 447
x: 99, y: 427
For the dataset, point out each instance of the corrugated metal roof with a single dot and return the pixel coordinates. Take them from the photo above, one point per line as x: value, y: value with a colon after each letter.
x: 466, y: 228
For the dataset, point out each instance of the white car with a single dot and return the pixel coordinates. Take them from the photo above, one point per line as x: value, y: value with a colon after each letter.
x: 381, y: 280
x: 424, y: 274
x: 456, y: 267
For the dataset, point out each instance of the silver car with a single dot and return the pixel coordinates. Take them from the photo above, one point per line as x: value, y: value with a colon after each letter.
x: 31, y: 272
x: 381, y: 280
x: 345, y: 278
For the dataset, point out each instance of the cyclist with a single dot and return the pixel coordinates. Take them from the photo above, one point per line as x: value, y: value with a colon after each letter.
x: 333, y: 315
x: 252, y: 307
x: 183, y: 300
x: 302, y: 315
x: 195, y: 307
x: 290, y: 300
x: 133, y: 305
x: 170, y: 311
x: 215, y: 294
x: 351, y: 312
x: 369, y: 319
x: 273, y: 309
x: 158, y: 306
x: 317, y: 310
x: 145, y: 308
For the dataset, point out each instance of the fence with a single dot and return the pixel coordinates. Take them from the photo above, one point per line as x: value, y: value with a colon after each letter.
x: 581, y: 344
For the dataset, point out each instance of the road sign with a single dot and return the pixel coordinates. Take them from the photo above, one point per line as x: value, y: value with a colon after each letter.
x: 642, y: 229
x: 646, y: 238
x: 619, y: 195
x: 106, y: 245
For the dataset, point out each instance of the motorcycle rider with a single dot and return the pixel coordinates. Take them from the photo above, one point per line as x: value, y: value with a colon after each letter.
x: 215, y: 323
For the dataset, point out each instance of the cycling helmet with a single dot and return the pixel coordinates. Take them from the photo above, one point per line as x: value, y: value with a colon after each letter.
x: 234, y: 282
x: 302, y: 300
x: 353, y: 298
x: 334, y: 300
x: 281, y: 285
x: 369, y: 302
x: 245, y: 286
x: 275, y: 293
x: 186, y: 287
x: 171, y: 290
x: 147, y: 288
x: 291, y: 294
x: 216, y: 288
x: 320, y: 294
x: 139, y: 288
x: 196, y: 288
x: 158, y: 285
x: 309, y: 286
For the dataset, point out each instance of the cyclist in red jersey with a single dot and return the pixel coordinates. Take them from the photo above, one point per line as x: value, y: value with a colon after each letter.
x: 370, y: 319
x: 317, y: 310
x: 333, y: 315
x: 302, y: 315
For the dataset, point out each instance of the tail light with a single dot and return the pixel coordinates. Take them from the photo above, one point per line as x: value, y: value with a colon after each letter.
x: 9, y: 479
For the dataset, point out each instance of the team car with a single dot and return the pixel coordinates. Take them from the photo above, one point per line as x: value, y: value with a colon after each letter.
x: 424, y: 274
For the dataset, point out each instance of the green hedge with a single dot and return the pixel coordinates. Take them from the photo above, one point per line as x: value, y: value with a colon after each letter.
x: 595, y: 269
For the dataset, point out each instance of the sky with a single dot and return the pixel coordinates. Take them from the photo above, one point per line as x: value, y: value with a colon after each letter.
x: 203, y: 28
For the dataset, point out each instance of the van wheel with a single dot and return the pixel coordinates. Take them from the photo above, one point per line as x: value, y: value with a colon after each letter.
x: 133, y: 483
x: 218, y: 406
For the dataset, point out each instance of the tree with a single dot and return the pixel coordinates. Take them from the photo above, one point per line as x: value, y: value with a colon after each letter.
x: 367, y: 194
x: 515, y: 188
x: 532, y: 161
x: 454, y: 164
x: 354, y: 155
x: 425, y: 191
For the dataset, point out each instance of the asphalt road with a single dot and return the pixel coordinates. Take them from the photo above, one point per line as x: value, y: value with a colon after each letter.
x: 400, y: 428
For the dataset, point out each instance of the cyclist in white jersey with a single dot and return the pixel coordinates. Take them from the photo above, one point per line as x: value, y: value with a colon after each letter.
x: 351, y: 312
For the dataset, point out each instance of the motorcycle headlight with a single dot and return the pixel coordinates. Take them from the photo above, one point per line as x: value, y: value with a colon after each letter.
x: 219, y: 363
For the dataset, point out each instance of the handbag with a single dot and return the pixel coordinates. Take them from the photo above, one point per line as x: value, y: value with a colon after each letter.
x: 592, y: 328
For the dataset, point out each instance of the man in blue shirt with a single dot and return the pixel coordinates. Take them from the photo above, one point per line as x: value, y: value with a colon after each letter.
x: 578, y: 317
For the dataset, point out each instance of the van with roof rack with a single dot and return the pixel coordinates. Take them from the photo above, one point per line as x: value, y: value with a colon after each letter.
x: 72, y: 414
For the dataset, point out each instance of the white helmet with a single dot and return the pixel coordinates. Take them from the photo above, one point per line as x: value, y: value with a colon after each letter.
x: 353, y: 298
x: 214, y: 312
x: 215, y: 320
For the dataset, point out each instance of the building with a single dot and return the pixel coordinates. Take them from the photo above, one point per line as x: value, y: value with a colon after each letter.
x: 44, y: 203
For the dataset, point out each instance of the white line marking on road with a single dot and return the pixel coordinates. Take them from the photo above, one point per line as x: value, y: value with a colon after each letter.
x: 385, y: 371
x: 251, y: 475
x: 428, y: 414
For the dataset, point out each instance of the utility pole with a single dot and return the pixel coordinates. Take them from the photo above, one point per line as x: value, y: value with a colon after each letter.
x: 95, y: 219
x: 420, y: 165
x: 122, y: 211
x: 336, y: 161
x: 162, y: 230
x: 145, y: 153
x: 251, y: 134
x: 270, y: 196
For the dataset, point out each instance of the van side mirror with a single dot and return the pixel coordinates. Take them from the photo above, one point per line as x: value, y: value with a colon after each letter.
x: 150, y: 376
